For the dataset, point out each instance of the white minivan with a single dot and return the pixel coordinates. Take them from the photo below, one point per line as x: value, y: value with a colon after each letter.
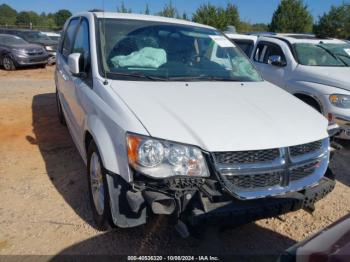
x: 167, y: 126
x: 315, y: 70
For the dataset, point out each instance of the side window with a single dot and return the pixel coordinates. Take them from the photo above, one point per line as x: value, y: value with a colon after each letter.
x: 260, y: 52
x: 245, y: 45
x: 273, y: 50
x: 82, y: 46
x: 69, y: 37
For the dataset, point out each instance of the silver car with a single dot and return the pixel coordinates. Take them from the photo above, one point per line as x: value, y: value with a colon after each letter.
x: 16, y: 52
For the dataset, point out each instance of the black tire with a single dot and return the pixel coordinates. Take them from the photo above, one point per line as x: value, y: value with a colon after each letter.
x: 42, y: 66
x: 103, y: 220
x: 8, y: 63
x: 59, y: 110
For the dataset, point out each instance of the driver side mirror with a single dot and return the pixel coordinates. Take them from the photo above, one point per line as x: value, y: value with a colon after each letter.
x: 74, y: 65
x: 276, y: 60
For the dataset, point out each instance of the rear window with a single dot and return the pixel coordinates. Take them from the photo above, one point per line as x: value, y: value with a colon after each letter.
x: 245, y: 45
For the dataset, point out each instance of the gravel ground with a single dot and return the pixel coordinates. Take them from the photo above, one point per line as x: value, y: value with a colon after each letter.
x: 44, y: 205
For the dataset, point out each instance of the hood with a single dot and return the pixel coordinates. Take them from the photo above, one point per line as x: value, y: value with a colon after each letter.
x: 45, y: 42
x: 330, y: 76
x: 222, y: 116
x: 27, y: 46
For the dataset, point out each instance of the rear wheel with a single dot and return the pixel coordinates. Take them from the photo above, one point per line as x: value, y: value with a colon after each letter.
x: 98, y: 190
x: 8, y: 63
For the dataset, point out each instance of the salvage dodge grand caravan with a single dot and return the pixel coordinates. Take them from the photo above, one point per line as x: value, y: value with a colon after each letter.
x: 171, y: 118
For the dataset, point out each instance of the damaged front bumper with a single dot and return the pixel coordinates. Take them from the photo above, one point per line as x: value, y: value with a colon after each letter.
x: 197, y: 201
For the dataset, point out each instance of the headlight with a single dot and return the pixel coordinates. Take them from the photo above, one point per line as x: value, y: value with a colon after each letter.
x: 342, y: 101
x: 159, y: 158
x: 49, y: 48
x: 19, y: 51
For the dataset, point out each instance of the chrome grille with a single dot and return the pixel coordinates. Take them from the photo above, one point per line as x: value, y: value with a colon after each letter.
x: 261, y: 173
x: 305, y: 148
x: 246, y: 157
x: 255, y: 181
x: 303, y: 171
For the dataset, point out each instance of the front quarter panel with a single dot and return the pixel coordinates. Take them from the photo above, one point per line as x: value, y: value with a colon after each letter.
x: 108, y: 119
x: 318, y: 91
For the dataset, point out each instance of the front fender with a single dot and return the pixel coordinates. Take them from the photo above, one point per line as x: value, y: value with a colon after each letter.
x: 112, y: 148
x: 316, y: 89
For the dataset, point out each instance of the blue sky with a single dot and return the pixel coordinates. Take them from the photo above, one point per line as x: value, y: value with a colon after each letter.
x: 250, y: 10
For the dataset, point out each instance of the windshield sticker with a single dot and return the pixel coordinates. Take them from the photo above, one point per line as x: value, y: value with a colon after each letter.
x: 347, y: 50
x: 222, y: 41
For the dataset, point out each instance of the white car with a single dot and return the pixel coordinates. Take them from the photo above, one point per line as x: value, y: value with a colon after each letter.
x: 167, y: 127
x: 245, y: 42
x: 314, y: 70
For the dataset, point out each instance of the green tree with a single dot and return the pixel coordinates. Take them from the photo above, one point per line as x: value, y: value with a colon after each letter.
x: 260, y: 27
x: 46, y: 21
x: 7, y: 15
x: 147, y: 11
x: 232, y: 16
x: 123, y: 9
x: 61, y: 16
x: 169, y: 11
x: 207, y: 14
x: 335, y: 23
x: 291, y: 16
x: 27, y: 18
x: 217, y: 16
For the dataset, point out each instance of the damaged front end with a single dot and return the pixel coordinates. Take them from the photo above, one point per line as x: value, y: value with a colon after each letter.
x: 242, y: 187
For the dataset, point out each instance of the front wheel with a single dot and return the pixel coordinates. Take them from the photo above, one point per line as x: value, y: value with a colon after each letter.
x: 98, y: 190
x: 8, y: 63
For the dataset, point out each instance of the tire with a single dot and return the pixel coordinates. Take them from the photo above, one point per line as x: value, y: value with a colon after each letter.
x: 98, y: 190
x: 8, y: 63
x: 60, y: 114
x: 42, y: 66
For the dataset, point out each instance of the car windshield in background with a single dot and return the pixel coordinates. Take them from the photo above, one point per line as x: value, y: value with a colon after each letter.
x: 323, y: 54
x: 138, y: 50
x: 245, y: 45
x: 35, y: 36
x: 54, y: 38
x: 11, y: 40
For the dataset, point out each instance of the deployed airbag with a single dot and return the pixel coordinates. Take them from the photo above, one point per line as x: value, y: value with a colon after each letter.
x: 145, y: 57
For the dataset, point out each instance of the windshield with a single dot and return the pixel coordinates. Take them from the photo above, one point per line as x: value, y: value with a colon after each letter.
x: 35, y: 36
x: 133, y: 49
x: 323, y: 54
x: 54, y: 38
x: 12, y: 40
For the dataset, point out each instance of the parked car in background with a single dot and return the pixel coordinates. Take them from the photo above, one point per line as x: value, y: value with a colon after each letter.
x: 314, y: 70
x: 245, y: 42
x: 35, y: 37
x: 172, y: 118
x: 331, y: 244
x: 52, y: 35
x: 16, y: 52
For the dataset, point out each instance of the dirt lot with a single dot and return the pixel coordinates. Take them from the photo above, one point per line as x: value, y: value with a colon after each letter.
x: 44, y: 205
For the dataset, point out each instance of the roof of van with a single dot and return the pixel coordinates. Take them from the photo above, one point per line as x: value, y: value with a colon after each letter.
x: 153, y: 18
x: 305, y: 38
x: 235, y: 36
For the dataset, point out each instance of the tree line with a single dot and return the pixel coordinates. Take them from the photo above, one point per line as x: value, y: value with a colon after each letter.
x: 291, y: 16
x: 10, y: 17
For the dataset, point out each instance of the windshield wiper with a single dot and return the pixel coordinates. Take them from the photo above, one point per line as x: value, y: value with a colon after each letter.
x: 342, y: 55
x: 203, y: 77
x: 332, y: 54
x: 135, y: 75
